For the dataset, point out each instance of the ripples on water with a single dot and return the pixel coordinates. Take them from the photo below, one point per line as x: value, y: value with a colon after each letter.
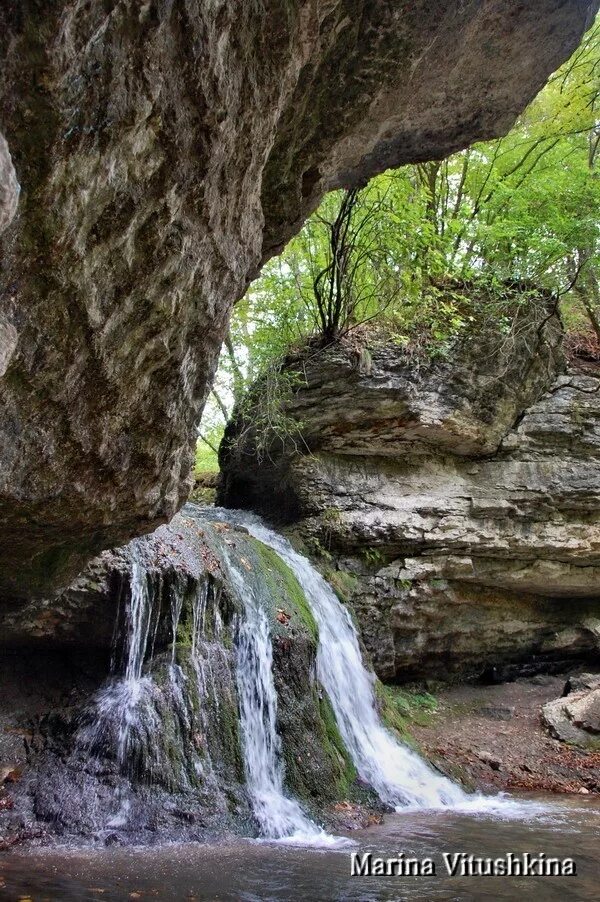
x: 250, y: 870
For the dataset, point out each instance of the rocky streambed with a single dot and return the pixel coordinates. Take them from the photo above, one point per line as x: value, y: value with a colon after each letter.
x: 498, y: 737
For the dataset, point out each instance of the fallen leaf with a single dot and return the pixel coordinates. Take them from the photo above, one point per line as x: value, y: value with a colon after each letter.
x: 343, y: 806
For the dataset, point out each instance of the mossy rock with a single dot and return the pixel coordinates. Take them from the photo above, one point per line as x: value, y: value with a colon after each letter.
x: 401, y: 708
x: 286, y: 591
x: 344, y: 584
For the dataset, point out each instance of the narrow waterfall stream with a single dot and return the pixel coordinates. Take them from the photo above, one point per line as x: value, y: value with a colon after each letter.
x: 398, y: 775
x: 278, y: 815
x: 117, y: 706
x: 126, y: 716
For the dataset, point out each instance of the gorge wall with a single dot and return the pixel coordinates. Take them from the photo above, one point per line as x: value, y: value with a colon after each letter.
x: 163, y: 151
x: 453, y: 504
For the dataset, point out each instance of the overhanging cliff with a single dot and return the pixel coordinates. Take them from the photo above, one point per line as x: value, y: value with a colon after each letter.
x: 163, y: 151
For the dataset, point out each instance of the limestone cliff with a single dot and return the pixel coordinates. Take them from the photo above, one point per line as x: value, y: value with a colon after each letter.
x: 163, y: 151
x: 455, y: 506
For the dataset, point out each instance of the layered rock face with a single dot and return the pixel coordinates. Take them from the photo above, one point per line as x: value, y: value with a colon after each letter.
x: 455, y: 507
x: 163, y: 151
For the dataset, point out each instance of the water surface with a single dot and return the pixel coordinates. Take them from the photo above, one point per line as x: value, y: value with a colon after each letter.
x: 251, y: 870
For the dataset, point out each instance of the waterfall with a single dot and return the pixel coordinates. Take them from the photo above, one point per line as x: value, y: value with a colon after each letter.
x: 124, y: 703
x: 398, y: 775
x: 125, y: 715
x: 138, y: 617
x: 125, y: 718
x: 278, y: 816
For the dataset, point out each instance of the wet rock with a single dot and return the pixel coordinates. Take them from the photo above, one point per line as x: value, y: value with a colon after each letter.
x: 165, y: 150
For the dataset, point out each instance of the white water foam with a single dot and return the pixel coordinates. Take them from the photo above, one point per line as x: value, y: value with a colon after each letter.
x: 398, y: 775
x: 279, y: 816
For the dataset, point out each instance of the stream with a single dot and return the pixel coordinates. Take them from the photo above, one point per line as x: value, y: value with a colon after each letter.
x: 258, y: 870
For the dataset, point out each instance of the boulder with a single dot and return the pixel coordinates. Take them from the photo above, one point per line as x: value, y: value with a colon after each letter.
x: 585, y: 711
x: 164, y: 150
x: 581, y: 682
x: 576, y: 718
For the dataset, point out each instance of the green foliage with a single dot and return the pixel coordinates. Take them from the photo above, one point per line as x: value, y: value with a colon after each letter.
x: 520, y: 208
x: 423, y: 252
x: 373, y: 557
x: 267, y: 428
x: 344, y: 584
x: 336, y: 748
x: 402, y: 707
x: 206, y: 459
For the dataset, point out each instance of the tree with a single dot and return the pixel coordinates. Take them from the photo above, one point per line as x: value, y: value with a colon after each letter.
x: 522, y: 209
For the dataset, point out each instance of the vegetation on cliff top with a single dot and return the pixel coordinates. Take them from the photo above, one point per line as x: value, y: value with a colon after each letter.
x: 420, y: 252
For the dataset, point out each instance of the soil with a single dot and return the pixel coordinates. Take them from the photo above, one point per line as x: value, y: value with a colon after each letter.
x: 493, y: 738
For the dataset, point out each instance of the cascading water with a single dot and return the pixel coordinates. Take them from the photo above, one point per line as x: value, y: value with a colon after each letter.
x: 118, y: 705
x: 398, y: 775
x: 279, y: 816
x: 126, y: 715
x: 147, y: 698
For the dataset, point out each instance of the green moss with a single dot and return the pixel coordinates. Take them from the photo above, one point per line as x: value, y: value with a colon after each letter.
x: 185, y: 626
x: 318, y: 769
x: 283, y: 584
x: 343, y: 584
x: 227, y: 722
x: 336, y: 748
x: 400, y: 708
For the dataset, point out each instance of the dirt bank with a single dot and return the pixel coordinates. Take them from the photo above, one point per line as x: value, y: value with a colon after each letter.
x: 493, y: 737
